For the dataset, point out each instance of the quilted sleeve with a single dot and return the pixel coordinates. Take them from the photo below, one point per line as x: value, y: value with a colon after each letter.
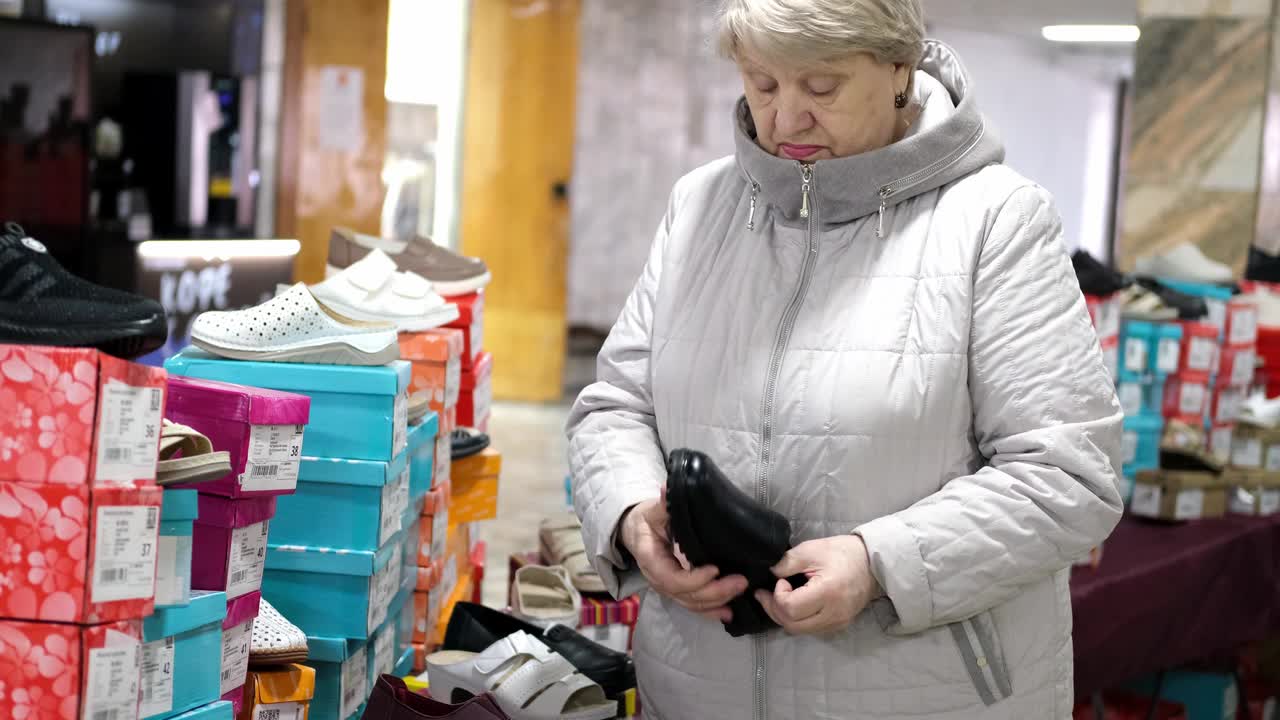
x: 1045, y: 416
x: 615, y: 457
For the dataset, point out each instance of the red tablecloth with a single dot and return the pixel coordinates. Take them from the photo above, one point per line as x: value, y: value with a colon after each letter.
x: 1168, y: 595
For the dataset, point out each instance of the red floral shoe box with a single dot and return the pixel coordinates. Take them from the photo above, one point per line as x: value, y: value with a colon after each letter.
x: 53, y: 671
x: 477, y: 394
x: 471, y: 322
x: 76, y: 554
x: 73, y: 416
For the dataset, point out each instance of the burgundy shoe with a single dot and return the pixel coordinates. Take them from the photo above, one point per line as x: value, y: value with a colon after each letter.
x: 393, y: 700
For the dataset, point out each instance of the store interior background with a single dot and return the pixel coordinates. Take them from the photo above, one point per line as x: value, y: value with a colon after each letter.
x: 544, y: 136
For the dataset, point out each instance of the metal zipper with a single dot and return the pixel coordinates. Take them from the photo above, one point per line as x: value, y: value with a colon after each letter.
x: 920, y: 176
x: 809, y: 211
x: 751, y: 214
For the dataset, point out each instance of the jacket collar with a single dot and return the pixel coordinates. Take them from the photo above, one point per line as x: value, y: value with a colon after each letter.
x: 948, y: 141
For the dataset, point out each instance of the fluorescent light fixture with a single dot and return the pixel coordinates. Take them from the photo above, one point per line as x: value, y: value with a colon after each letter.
x: 223, y: 249
x: 1091, y: 33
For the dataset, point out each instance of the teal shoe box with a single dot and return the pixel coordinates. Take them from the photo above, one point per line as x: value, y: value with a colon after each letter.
x: 356, y: 412
x: 344, y: 504
x: 342, y: 677
x: 422, y: 455
x: 221, y: 710
x: 179, y: 656
x: 178, y: 512
x: 333, y: 593
x: 383, y: 652
x: 1207, y: 696
x: 404, y: 666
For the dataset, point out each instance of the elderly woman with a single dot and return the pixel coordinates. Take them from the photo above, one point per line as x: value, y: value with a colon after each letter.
x: 871, y: 325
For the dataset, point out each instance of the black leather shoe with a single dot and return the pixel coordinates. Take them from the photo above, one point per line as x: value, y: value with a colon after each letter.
x: 717, y: 524
x: 475, y: 627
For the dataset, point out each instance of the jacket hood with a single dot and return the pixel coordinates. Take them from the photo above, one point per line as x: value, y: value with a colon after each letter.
x: 948, y: 141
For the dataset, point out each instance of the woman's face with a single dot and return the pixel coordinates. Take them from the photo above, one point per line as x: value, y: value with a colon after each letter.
x: 841, y: 108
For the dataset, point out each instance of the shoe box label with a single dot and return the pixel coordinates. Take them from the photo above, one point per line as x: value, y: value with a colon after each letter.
x: 1273, y: 459
x: 157, y: 677
x: 1220, y: 442
x: 1146, y: 500
x: 1200, y: 353
x: 1242, y: 327
x: 1128, y: 447
x: 1227, y: 404
x: 395, y: 501
x: 1246, y: 452
x: 1130, y: 398
x: 1167, y: 352
x: 383, y: 586
x: 400, y: 424
x: 481, y: 402
x: 384, y: 652
x: 1189, y: 504
x: 248, y: 557
x: 476, y: 335
x: 173, y: 569
x: 1190, y: 398
x: 1242, y: 365
x: 440, y: 532
x: 128, y: 434
x: 1269, y: 502
x: 235, y: 656
x: 274, y: 454
x: 125, y: 549
x: 279, y: 711
x: 355, y: 682
x: 111, y: 688
x: 1135, y: 354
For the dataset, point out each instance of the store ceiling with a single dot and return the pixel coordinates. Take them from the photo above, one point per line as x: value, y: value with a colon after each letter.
x: 1026, y: 17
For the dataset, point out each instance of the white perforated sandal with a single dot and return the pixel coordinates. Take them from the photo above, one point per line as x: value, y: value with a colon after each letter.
x: 275, y: 640
x: 372, y: 290
x: 295, y: 327
x: 528, y: 679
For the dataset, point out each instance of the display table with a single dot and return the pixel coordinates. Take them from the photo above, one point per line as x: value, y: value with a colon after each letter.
x: 1168, y: 595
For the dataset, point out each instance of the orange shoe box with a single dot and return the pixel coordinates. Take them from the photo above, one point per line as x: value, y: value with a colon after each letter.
x: 433, y: 527
x: 475, y: 487
x: 460, y: 593
x: 436, y: 356
x: 283, y: 692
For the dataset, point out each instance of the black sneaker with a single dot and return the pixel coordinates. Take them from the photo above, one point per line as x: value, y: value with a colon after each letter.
x: 43, y: 304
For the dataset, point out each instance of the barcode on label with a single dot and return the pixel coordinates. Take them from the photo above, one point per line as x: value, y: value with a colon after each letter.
x: 112, y: 575
x: 349, y: 697
x: 265, y: 471
x: 226, y: 674
x: 107, y: 714
x: 269, y: 714
x: 155, y: 399
x: 119, y: 454
x: 153, y: 515
x: 237, y: 576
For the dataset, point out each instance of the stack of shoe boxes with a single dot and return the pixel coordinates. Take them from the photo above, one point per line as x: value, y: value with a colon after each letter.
x: 334, y: 559
x: 1105, y: 314
x: 262, y: 430
x: 1145, y: 366
x: 477, y: 365
x: 79, y: 526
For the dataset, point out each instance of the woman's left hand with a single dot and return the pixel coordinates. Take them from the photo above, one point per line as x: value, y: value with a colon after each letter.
x: 840, y: 586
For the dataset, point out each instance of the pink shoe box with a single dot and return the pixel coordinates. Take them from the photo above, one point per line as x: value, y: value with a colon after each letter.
x: 237, y: 636
x: 471, y: 322
x: 55, y: 671
x: 73, y: 416
x: 477, y: 394
x: 229, y: 544
x: 78, y: 554
x: 262, y: 429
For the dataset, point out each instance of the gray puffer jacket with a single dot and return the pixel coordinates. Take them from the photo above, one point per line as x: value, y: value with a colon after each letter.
x: 912, y: 362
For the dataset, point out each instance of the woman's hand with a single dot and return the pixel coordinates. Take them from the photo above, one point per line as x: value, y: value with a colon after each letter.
x: 840, y: 586
x: 645, y: 533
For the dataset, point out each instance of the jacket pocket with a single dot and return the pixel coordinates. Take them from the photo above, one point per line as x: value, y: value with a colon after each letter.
x: 979, y: 645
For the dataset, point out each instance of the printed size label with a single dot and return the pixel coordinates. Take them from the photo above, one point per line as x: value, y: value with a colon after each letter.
x: 1191, y: 399
x: 1220, y: 443
x: 1273, y: 458
x: 1111, y: 360
x: 248, y: 557
x: 112, y: 684
x: 1229, y: 402
x: 1189, y: 505
x: 1244, y: 326
x: 395, y: 500
x: 1129, y: 447
x: 157, y: 677
x: 1200, y: 354
x: 439, y: 532
x: 481, y: 402
x: 274, y: 454
x: 124, y: 565
x: 279, y: 711
x: 477, y: 334
x: 1217, y: 313
x: 452, y: 382
x: 355, y: 682
x: 1130, y: 398
x: 128, y: 432
x: 1246, y: 452
x: 1269, y: 503
x: 1146, y: 500
x: 173, y: 570
x: 384, y: 652
x: 1135, y: 355
x: 400, y: 424
x: 235, y: 656
x: 1242, y: 367
x: 383, y: 585
x: 1167, y: 355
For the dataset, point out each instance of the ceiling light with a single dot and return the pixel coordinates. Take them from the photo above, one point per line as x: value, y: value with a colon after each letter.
x: 1092, y: 33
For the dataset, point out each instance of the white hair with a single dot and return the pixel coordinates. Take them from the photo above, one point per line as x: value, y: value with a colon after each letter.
x: 818, y: 31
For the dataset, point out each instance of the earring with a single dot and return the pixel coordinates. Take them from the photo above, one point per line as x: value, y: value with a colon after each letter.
x: 900, y: 100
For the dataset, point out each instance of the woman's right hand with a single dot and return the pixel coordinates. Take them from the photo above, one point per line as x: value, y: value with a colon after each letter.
x: 645, y: 532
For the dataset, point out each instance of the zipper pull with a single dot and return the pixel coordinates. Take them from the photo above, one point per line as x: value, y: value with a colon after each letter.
x: 884, y: 197
x: 806, y: 174
x: 751, y: 214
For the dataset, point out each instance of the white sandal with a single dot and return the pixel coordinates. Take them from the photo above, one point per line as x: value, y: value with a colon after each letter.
x: 198, y: 462
x: 545, y: 596
x: 528, y: 679
x: 560, y: 540
x: 372, y: 290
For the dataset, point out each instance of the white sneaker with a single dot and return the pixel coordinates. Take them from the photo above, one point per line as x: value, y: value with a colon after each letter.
x: 295, y: 327
x: 372, y: 290
x: 1185, y: 262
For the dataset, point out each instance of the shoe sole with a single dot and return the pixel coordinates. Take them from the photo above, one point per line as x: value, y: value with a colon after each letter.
x: 435, y: 318
x: 334, y: 353
x: 454, y: 288
x: 123, y: 339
